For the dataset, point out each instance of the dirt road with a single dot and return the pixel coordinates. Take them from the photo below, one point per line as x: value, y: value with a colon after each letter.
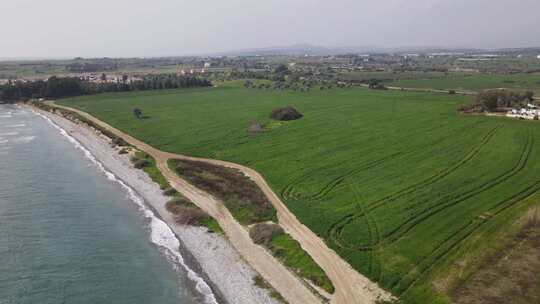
x: 350, y: 286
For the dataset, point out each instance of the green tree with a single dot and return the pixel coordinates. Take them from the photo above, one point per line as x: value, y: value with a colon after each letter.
x: 137, y: 112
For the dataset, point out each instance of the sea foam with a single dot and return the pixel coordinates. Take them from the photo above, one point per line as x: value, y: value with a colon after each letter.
x: 23, y: 139
x: 9, y: 134
x: 160, y: 233
x: 16, y: 126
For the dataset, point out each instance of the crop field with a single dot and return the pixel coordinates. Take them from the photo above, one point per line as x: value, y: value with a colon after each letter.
x: 520, y: 82
x: 404, y: 188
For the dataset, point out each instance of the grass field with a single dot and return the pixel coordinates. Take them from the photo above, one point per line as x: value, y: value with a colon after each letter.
x: 408, y: 191
x: 520, y: 82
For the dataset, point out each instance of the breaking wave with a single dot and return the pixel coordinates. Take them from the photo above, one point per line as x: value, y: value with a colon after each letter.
x: 23, y: 139
x: 9, y: 134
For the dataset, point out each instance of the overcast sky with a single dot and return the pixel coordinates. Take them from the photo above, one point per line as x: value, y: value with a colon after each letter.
x: 124, y: 28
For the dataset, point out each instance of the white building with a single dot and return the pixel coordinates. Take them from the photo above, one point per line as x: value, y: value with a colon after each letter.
x: 531, y: 112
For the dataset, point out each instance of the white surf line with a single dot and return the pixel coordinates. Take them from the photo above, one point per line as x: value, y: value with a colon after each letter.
x: 9, y: 134
x: 161, y: 234
x: 23, y: 139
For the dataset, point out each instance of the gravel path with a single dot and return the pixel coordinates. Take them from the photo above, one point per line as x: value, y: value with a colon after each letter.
x: 350, y: 286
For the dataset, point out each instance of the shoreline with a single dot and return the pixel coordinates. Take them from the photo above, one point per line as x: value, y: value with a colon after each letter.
x: 209, y: 255
x: 350, y: 286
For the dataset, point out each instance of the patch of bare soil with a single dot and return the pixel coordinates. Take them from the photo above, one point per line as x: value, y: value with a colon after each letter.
x: 511, y: 276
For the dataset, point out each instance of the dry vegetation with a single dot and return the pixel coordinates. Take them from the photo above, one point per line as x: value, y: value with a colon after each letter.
x: 243, y: 198
x: 511, y: 275
x: 263, y: 233
x: 186, y: 213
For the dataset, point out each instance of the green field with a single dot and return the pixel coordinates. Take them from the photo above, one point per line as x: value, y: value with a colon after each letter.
x: 408, y: 191
x: 520, y: 82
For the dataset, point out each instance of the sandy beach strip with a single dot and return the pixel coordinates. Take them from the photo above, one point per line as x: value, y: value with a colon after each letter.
x: 210, y: 254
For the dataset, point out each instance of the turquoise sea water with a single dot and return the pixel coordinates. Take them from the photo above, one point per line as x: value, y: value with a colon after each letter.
x: 69, y: 234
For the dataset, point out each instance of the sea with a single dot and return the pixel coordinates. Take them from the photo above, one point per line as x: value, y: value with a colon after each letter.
x: 71, y: 232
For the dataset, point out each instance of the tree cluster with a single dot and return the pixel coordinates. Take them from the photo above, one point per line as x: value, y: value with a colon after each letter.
x: 87, y: 67
x: 492, y: 101
x: 58, y: 87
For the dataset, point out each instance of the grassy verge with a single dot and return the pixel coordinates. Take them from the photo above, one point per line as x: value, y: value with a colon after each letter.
x: 241, y: 195
x: 293, y: 256
x: 152, y: 170
x: 290, y: 253
x: 261, y: 283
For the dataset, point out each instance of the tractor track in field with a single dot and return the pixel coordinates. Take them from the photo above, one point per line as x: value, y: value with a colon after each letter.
x: 337, y: 228
x: 411, y: 222
x: 465, y: 232
x: 374, y: 265
x: 437, y: 177
x: 443, y: 249
x: 288, y: 192
x: 437, y: 254
x: 350, y: 286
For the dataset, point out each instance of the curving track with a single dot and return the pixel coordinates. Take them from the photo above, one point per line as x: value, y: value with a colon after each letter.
x: 350, y: 286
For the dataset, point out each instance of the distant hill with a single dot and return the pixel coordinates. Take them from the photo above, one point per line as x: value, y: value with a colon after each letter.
x: 307, y: 49
x: 299, y: 50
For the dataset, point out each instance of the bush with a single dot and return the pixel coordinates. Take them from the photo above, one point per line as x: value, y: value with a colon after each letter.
x: 190, y: 216
x: 263, y: 233
x: 452, y: 92
x: 141, y: 163
x: 170, y: 191
x: 123, y: 151
x: 285, y: 114
x: 117, y: 141
x: 177, y: 204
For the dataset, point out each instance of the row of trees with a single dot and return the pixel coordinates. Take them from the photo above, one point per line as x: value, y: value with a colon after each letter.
x: 302, y: 86
x: 58, y: 87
